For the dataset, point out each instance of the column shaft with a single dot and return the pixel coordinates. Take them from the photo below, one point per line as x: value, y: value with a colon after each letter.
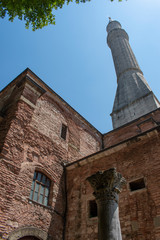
x: 106, y: 187
x: 108, y: 221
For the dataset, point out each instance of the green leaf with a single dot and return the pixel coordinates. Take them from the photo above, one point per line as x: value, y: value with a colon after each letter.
x: 37, y: 13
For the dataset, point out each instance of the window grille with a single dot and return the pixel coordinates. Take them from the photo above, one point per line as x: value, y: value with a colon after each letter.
x: 40, y: 188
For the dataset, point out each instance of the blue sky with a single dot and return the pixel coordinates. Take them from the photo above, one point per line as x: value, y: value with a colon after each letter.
x: 73, y: 58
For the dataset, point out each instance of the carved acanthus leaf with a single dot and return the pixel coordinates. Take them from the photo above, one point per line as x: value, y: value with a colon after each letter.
x: 106, y: 183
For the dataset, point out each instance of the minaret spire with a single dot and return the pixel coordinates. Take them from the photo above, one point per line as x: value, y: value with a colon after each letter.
x: 134, y: 98
x: 110, y: 19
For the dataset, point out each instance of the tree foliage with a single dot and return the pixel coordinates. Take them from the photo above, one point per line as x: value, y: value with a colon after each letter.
x: 38, y: 13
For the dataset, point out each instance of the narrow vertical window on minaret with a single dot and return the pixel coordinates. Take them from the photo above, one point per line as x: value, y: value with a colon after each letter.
x: 63, y: 131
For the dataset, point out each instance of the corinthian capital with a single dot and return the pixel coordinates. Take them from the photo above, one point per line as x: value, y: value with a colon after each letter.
x: 107, y: 184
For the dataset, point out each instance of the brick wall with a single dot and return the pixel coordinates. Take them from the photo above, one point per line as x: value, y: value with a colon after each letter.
x: 139, y: 210
x: 30, y: 140
x: 132, y: 129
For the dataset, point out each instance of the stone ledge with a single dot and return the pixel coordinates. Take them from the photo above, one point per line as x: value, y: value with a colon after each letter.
x: 27, y: 101
x: 115, y: 148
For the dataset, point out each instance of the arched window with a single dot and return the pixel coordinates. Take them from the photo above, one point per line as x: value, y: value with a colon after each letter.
x: 40, y: 188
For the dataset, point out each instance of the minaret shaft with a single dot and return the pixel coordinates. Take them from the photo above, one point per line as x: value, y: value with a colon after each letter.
x: 118, y: 42
x: 134, y: 98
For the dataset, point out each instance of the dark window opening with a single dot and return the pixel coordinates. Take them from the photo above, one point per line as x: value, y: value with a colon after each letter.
x: 137, y: 184
x: 92, y: 209
x: 29, y: 238
x: 40, y: 188
x: 64, y: 131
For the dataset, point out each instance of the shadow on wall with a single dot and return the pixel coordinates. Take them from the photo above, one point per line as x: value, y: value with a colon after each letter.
x: 57, y: 224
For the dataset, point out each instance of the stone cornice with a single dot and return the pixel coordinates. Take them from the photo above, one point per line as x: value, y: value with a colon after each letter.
x: 115, y: 148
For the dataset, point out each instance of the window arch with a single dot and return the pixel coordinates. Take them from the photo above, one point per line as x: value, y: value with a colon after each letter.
x: 40, y: 188
x: 28, y: 231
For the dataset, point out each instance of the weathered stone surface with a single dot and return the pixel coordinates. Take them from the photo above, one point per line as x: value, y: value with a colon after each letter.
x: 107, y: 185
x: 28, y: 231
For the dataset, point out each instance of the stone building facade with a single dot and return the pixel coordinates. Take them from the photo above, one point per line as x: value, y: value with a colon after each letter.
x: 48, y: 150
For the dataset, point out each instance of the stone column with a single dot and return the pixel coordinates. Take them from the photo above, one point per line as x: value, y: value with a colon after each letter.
x: 107, y: 186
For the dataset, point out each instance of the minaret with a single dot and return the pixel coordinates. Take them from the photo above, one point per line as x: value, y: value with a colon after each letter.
x: 134, y: 98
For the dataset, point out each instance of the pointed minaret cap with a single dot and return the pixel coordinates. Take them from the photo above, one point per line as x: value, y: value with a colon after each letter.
x: 112, y: 25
